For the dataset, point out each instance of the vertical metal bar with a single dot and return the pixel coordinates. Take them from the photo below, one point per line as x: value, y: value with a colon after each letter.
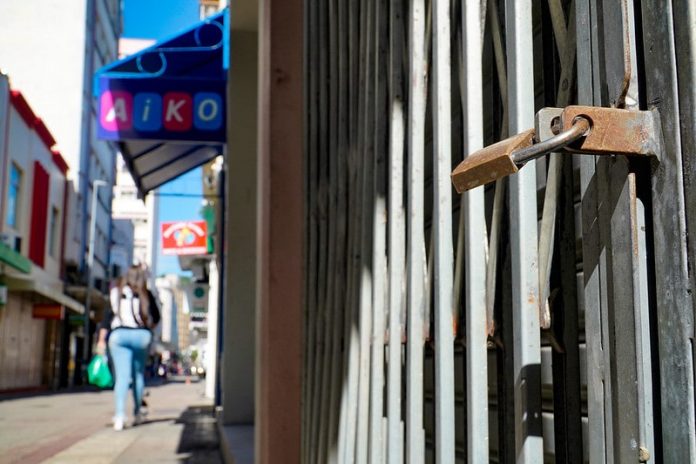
x: 567, y: 401
x: 684, y: 20
x: 667, y: 68
x: 352, y: 322
x: 497, y: 38
x: 475, y: 244
x: 548, y: 221
x: 322, y: 151
x: 340, y: 67
x: 615, y: 187
x: 642, y: 327
x: 610, y: 252
x: 416, y: 238
x: 442, y: 230
x: 523, y: 240
x: 331, y: 212
x: 596, y: 391
x: 380, y: 288
x: 397, y: 239
x: 684, y: 14
x: 312, y: 240
x: 498, y: 198
x: 346, y: 431
x: 367, y: 140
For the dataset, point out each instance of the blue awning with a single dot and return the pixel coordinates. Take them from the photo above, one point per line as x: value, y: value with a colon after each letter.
x: 165, y: 105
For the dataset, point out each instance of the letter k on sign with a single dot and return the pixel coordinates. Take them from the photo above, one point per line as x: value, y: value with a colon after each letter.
x: 177, y: 111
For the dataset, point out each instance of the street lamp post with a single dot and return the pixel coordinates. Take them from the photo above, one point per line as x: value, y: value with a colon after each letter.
x: 90, y: 262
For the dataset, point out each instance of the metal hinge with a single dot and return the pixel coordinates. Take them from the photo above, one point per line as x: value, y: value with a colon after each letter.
x: 586, y: 130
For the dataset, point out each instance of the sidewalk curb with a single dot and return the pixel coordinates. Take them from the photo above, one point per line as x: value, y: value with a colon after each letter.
x: 236, y: 441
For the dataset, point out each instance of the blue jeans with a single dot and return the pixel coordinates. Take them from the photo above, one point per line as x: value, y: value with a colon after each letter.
x: 128, y: 349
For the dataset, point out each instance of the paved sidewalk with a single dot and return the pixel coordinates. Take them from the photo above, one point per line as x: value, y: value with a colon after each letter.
x: 76, y: 428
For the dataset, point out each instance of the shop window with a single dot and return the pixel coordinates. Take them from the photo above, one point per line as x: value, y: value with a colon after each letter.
x: 53, y: 233
x: 13, y: 196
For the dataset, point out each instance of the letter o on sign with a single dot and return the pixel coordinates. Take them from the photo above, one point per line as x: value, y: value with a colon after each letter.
x: 207, y: 111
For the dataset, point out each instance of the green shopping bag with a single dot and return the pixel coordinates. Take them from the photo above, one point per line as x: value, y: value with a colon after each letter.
x: 98, y: 372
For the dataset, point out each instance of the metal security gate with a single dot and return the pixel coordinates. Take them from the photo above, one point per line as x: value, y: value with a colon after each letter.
x: 545, y: 317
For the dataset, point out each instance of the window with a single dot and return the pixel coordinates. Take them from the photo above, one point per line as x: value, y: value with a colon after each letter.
x: 13, y: 196
x: 53, y: 233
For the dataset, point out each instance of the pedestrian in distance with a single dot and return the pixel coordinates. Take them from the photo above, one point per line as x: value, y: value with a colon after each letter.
x: 127, y: 329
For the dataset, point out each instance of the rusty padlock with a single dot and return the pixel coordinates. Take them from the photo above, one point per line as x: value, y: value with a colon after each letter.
x: 490, y: 163
x: 585, y: 130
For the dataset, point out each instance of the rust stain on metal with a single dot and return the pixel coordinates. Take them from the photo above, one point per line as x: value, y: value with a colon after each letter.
x: 633, y: 199
x: 490, y: 163
x: 531, y: 297
x: 614, y: 131
x: 490, y: 328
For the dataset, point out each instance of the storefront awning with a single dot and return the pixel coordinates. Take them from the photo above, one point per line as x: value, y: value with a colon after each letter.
x: 15, y: 260
x: 165, y: 105
x: 44, y: 291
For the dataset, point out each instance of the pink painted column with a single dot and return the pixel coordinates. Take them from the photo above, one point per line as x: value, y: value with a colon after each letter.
x: 281, y: 197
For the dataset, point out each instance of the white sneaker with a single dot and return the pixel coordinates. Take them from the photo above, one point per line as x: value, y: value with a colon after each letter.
x: 118, y: 424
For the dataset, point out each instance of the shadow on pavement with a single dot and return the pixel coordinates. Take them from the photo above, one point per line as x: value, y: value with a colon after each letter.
x: 38, y: 392
x: 199, y: 438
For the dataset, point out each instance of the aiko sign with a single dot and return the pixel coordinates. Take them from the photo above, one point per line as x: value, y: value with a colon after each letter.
x: 184, y: 238
x: 161, y: 109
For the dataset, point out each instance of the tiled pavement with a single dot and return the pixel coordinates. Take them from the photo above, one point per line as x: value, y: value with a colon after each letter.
x: 76, y: 428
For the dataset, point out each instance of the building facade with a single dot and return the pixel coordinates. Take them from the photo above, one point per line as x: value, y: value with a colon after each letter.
x: 122, y: 249
x: 33, y: 208
x: 142, y: 213
x: 56, y: 75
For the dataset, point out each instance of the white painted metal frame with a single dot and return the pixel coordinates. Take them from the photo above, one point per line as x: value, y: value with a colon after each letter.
x: 397, y: 237
x: 475, y: 243
x: 523, y: 239
x: 415, y: 441
x: 442, y: 230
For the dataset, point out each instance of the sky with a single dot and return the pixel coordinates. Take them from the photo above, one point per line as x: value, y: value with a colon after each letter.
x: 160, y: 19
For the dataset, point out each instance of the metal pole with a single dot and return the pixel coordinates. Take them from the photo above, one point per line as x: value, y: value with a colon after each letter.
x: 416, y: 237
x: 442, y: 230
x: 90, y: 262
x: 475, y: 245
x: 397, y: 242
x: 523, y: 240
x: 379, y: 227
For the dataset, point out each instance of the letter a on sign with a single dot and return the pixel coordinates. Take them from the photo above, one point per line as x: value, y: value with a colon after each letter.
x: 116, y: 109
x: 177, y: 111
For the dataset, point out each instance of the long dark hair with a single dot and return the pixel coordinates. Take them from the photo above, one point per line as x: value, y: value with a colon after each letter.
x: 136, y: 279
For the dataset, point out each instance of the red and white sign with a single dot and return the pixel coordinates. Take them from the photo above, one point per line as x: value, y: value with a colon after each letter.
x: 184, y: 238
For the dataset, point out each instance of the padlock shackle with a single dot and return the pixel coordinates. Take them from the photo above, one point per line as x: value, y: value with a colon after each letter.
x: 580, y: 128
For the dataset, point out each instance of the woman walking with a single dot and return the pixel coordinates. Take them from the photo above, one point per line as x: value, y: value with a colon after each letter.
x: 128, y: 324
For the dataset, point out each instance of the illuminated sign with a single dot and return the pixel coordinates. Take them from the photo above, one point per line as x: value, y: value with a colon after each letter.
x: 184, y: 238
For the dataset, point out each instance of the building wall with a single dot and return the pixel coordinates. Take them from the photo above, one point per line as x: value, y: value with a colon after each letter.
x: 42, y: 48
x: 166, y: 291
x: 127, y: 206
x: 240, y: 295
x: 21, y: 344
x: 28, y: 346
x: 25, y: 148
x: 122, y: 246
x: 182, y: 317
x: 45, y: 48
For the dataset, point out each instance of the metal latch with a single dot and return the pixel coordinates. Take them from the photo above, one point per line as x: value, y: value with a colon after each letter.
x: 587, y: 130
